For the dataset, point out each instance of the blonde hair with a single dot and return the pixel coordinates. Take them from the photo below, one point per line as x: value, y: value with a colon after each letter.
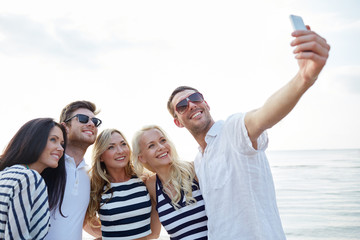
x: 98, y: 176
x: 181, y: 172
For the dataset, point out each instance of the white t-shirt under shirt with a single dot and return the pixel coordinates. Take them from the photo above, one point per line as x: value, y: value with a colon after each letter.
x: 237, y: 185
x: 76, y: 201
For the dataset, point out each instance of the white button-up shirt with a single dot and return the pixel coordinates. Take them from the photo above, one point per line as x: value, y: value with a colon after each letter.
x: 76, y: 201
x: 237, y: 185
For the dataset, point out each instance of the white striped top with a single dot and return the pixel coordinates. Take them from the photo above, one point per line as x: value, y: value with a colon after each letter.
x: 125, y: 214
x: 188, y: 222
x: 24, y: 207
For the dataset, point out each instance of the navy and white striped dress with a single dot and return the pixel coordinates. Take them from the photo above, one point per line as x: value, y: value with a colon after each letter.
x: 188, y: 222
x: 125, y: 214
x: 24, y: 208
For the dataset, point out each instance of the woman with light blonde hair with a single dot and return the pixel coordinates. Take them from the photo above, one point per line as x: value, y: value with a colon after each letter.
x: 174, y: 187
x: 118, y: 197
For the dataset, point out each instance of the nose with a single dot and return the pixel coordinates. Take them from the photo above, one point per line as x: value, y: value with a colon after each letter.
x: 160, y: 147
x: 90, y: 122
x: 60, y: 148
x: 192, y: 105
x: 119, y: 149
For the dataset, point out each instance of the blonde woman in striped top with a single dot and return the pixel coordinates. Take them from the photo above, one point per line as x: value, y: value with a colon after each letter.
x: 173, y: 188
x: 118, y: 198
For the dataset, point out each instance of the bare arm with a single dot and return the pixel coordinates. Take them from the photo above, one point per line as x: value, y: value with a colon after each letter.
x: 155, y: 221
x: 311, y: 52
x: 94, y: 229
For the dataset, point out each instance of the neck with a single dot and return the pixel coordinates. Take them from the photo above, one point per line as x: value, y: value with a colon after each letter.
x: 77, y: 152
x: 118, y: 175
x: 200, y: 136
x: 163, y: 173
x: 37, y: 167
x: 164, y: 176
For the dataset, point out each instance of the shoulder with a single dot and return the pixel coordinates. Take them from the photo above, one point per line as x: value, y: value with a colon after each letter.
x: 23, y: 182
x: 236, y: 118
x: 151, y: 186
x: 22, y: 175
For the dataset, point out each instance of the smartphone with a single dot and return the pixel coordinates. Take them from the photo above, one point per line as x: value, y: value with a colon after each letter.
x: 297, y: 22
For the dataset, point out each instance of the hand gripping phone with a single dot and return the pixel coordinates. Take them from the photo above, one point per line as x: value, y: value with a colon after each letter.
x: 297, y: 22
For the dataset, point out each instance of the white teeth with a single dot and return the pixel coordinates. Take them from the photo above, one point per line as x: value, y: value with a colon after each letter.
x: 89, y: 132
x: 197, y: 114
x: 163, y: 155
x: 119, y: 159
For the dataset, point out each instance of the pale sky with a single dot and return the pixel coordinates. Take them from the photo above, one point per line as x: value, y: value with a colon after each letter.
x: 128, y: 56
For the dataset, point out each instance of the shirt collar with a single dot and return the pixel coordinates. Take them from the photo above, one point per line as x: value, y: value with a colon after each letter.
x: 215, y: 129
x: 70, y: 160
x: 213, y: 132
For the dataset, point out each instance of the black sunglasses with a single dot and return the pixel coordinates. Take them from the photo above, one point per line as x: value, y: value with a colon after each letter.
x: 85, y: 119
x: 183, y: 105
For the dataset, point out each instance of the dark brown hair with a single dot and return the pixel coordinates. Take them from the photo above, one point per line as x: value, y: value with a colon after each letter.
x: 170, y: 107
x: 72, y: 107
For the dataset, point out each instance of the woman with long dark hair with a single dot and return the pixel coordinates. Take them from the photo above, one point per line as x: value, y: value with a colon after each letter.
x: 32, y: 179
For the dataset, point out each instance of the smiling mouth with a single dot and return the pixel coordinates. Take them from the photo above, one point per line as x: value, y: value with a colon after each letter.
x: 163, y: 155
x: 119, y: 159
x: 89, y: 132
x: 196, y: 114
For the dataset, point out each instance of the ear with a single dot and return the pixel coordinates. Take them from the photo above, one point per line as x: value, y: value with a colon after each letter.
x: 207, y: 105
x: 66, y: 127
x: 101, y: 160
x: 141, y: 159
x: 178, y: 123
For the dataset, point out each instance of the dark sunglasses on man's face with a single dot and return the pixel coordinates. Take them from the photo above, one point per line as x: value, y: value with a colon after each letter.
x: 85, y: 119
x: 183, y: 105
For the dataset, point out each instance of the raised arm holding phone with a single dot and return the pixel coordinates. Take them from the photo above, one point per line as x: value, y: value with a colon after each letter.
x: 311, y: 51
x: 233, y: 171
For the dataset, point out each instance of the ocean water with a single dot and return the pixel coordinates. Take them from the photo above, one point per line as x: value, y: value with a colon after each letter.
x: 318, y: 193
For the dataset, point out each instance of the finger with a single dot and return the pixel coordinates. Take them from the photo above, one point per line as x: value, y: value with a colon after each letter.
x: 313, y: 47
x: 311, y: 56
x: 306, y: 36
x: 310, y: 37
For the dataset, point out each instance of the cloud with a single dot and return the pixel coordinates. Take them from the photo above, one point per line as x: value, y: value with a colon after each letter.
x: 20, y: 35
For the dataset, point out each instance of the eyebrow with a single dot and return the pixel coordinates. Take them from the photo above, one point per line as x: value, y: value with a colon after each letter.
x: 147, y: 144
x: 57, y: 137
x: 113, y: 143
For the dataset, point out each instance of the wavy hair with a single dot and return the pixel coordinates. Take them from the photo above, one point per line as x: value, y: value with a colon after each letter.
x: 99, y: 179
x: 182, y: 173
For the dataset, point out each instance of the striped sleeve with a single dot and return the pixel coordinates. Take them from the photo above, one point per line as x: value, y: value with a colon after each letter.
x: 27, y: 204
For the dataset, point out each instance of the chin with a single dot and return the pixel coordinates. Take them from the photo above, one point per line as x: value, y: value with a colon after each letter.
x: 55, y: 165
